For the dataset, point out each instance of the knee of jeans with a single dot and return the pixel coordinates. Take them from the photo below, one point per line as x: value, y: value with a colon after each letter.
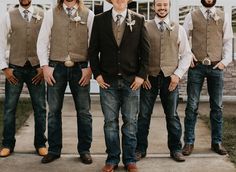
x: 111, y: 125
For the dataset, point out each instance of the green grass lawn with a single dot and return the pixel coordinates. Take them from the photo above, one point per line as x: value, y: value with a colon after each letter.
x: 229, y: 134
x: 24, y: 109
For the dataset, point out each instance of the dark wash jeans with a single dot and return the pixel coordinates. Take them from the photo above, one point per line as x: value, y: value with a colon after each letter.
x: 215, y: 86
x: 81, y: 96
x: 12, y: 94
x: 120, y: 98
x: 169, y: 102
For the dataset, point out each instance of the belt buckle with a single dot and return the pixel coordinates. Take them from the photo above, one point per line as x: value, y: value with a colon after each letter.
x: 68, y: 62
x: 206, y: 61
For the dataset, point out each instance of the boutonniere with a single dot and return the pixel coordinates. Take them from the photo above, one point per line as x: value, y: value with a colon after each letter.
x: 37, y: 17
x: 77, y: 19
x: 215, y: 17
x: 130, y: 22
x: 170, y: 27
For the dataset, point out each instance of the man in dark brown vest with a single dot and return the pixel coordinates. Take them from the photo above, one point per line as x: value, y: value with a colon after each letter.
x: 66, y: 30
x: 23, y: 25
x: 211, y: 37
x: 120, y: 37
x: 170, y: 58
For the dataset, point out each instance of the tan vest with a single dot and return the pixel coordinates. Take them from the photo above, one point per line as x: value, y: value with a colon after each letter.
x: 164, y: 49
x: 69, y: 37
x: 207, y: 36
x: 23, y: 38
x: 118, y: 31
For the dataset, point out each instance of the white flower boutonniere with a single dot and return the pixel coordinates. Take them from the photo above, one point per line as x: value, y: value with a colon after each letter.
x: 215, y: 17
x: 37, y: 17
x: 130, y: 22
x: 78, y: 19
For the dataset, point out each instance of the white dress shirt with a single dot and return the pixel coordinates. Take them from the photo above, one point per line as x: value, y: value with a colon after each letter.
x: 227, y: 33
x: 5, y: 29
x: 123, y: 14
x: 43, y: 42
x: 185, y: 54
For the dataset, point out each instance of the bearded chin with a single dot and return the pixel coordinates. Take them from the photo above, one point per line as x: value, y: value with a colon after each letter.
x: 25, y: 5
x: 208, y: 5
x: 161, y: 16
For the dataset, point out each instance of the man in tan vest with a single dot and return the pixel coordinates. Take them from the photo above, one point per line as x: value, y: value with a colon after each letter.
x: 66, y: 30
x: 170, y: 58
x: 210, y: 32
x: 23, y: 25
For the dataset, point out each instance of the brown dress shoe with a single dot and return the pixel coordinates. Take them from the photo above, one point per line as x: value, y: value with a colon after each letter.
x: 5, y: 152
x: 86, y: 158
x: 177, y: 156
x: 188, y: 149
x: 218, y: 148
x: 109, y: 168
x: 132, y: 167
x: 139, y: 155
x: 42, y: 151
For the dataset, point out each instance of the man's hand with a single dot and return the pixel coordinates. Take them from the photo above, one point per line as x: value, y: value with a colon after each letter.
x: 101, y: 82
x: 48, y: 75
x: 8, y: 72
x: 193, y: 60
x: 174, y: 82
x: 39, y: 77
x: 137, y: 83
x: 147, y: 85
x: 219, y: 65
x: 86, y: 76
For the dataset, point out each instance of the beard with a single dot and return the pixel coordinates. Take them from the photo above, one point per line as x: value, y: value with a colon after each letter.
x: 161, y: 16
x: 25, y: 4
x: 69, y: 0
x: 208, y: 5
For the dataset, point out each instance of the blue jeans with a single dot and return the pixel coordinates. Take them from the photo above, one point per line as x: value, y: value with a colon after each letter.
x: 12, y: 94
x: 81, y: 98
x: 120, y: 97
x: 169, y: 102
x: 215, y: 84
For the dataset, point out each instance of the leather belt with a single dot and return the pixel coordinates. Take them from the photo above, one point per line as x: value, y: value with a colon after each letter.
x: 53, y: 63
x: 213, y: 63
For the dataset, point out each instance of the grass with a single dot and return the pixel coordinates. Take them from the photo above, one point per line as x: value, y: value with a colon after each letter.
x: 24, y: 109
x: 229, y: 134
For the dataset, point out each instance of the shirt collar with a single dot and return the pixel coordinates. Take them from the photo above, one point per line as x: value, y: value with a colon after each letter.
x: 30, y: 9
x: 204, y: 9
x: 75, y: 7
x: 166, y: 20
x: 114, y: 14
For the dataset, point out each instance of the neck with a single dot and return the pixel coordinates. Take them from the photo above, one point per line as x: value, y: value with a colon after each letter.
x: 26, y: 7
x: 119, y: 10
x: 70, y: 4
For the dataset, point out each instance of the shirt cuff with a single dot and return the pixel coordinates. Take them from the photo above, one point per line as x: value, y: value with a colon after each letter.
x: 178, y: 73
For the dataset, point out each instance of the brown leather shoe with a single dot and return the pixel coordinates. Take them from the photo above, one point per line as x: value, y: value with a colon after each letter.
x: 109, y: 168
x: 132, y: 167
x: 218, y: 148
x: 187, y: 149
x: 86, y: 158
x: 139, y: 155
x: 42, y: 151
x: 177, y: 156
x: 5, y: 152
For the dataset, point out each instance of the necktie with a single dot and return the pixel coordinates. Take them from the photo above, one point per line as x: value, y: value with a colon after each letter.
x: 208, y: 14
x: 69, y: 11
x: 26, y: 15
x: 118, y: 17
x: 162, y: 26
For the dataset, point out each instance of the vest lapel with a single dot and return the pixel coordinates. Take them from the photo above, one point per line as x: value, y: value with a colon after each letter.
x: 109, y: 28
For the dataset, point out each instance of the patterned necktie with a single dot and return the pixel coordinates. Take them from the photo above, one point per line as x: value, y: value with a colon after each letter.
x: 162, y: 26
x: 69, y: 11
x: 118, y: 17
x: 26, y: 15
x: 208, y: 14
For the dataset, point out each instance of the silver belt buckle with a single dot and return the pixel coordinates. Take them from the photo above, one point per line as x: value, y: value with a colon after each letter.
x: 206, y: 61
x: 68, y: 62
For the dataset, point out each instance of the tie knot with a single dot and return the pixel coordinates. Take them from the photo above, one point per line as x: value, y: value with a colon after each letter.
x: 26, y: 11
x: 118, y: 17
x: 69, y: 11
x: 162, y: 26
x: 26, y: 15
